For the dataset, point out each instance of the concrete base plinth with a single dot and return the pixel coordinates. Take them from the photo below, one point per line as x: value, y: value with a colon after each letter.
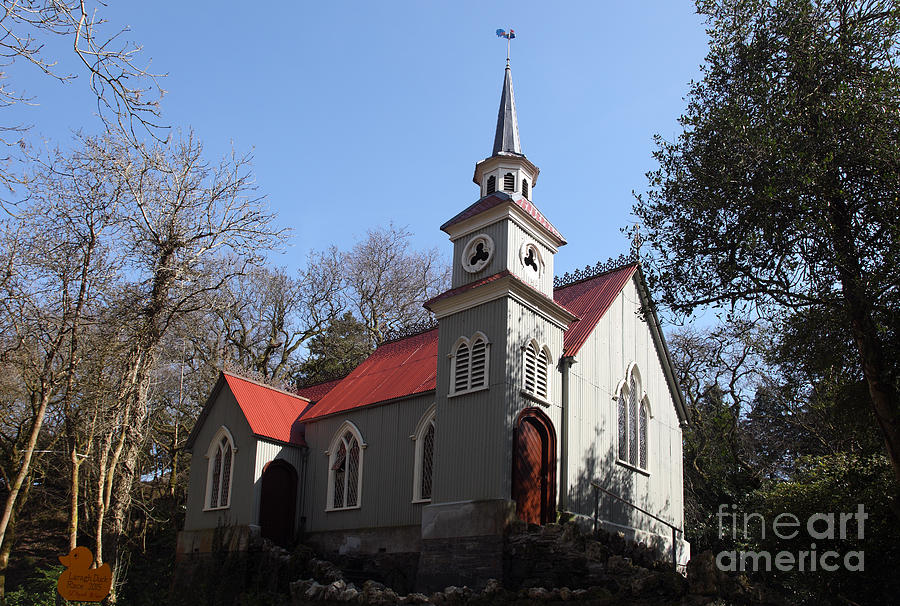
x: 462, y: 543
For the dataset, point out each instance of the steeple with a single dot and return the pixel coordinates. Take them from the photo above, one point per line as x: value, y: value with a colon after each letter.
x: 506, y: 140
x: 506, y: 169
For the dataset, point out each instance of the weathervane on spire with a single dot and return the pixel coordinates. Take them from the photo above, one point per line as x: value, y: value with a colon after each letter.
x: 509, y: 35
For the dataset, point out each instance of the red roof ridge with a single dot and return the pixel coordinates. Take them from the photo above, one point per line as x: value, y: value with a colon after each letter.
x: 596, y: 275
x: 265, y: 385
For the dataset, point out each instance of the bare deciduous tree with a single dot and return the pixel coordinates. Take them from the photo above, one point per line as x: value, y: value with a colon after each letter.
x: 387, y: 282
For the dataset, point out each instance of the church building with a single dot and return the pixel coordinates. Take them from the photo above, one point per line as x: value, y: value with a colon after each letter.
x: 526, y: 391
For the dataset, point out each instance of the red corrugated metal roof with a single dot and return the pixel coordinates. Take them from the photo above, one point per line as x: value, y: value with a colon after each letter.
x: 409, y: 366
x: 394, y: 370
x: 316, y: 392
x: 498, y: 198
x: 589, y: 300
x: 271, y: 413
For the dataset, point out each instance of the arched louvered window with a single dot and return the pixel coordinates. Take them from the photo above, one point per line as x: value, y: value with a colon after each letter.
x: 509, y: 182
x: 536, y: 371
x: 634, y: 420
x: 221, y: 463
x: 470, y: 364
x: 345, y: 468
x: 461, y: 368
x: 530, y: 367
x: 491, y: 185
x: 424, y: 466
x: 525, y: 187
x: 479, y: 363
x: 543, y: 366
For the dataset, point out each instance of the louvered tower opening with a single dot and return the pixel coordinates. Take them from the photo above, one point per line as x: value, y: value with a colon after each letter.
x: 491, y: 184
x: 530, y: 368
x: 525, y: 187
x: 461, y: 374
x: 479, y: 363
x: 543, y: 364
x: 509, y: 182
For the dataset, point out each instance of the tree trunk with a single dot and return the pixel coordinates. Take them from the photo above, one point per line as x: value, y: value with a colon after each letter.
x: 858, y: 307
x: 25, y: 467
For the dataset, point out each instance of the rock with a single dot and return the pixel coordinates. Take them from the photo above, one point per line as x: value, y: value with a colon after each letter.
x: 619, y: 564
x: 414, y: 598
x: 315, y: 592
x: 335, y: 589
x: 703, y: 576
x: 492, y: 587
x: 324, y: 571
x: 348, y: 595
x: 298, y: 588
x: 539, y: 593
x: 565, y: 594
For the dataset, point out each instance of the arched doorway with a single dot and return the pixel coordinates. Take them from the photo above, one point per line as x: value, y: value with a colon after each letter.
x: 534, y: 467
x: 278, y: 502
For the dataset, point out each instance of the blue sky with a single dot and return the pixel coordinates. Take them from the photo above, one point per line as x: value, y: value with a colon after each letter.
x: 361, y: 113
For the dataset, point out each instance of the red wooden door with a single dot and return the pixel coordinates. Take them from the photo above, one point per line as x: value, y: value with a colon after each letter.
x: 529, y: 472
x: 278, y: 503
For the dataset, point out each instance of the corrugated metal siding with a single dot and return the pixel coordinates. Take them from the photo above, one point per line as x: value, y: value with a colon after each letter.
x: 266, y: 452
x: 224, y: 411
x: 477, y: 463
x: 387, y: 468
x: 589, y: 300
x: 498, y: 233
x: 517, y: 238
x: 620, y: 338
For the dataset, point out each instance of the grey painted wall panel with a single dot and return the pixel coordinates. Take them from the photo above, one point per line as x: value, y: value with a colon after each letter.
x: 477, y: 464
x: 622, y: 338
x: 225, y: 411
x: 498, y: 233
x: 387, y: 467
x: 517, y: 237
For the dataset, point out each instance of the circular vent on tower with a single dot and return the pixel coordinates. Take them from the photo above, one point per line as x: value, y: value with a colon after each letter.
x: 477, y: 253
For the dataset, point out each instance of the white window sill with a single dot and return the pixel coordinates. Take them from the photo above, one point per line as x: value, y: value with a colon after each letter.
x: 420, y: 501
x: 535, y: 398
x: 330, y: 509
x: 468, y: 391
x: 216, y: 508
x: 628, y: 465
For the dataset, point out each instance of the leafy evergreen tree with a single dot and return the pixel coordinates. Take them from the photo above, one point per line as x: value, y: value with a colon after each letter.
x: 783, y: 189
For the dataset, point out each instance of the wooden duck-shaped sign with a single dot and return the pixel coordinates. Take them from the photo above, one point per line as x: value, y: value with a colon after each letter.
x: 81, y: 583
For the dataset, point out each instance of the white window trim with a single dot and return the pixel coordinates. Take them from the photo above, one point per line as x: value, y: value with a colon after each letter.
x: 426, y: 421
x: 210, y: 457
x: 533, y: 395
x: 332, y: 448
x: 643, y: 401
x: 468, y: 342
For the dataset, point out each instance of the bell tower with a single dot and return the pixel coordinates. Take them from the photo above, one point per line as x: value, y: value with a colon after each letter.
x: 500, y: 337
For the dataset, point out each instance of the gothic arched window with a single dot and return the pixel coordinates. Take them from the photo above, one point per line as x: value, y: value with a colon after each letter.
x: 424, y: 465
x: 221, y: 464
x: 345, y: 461
x: 633, y: 422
